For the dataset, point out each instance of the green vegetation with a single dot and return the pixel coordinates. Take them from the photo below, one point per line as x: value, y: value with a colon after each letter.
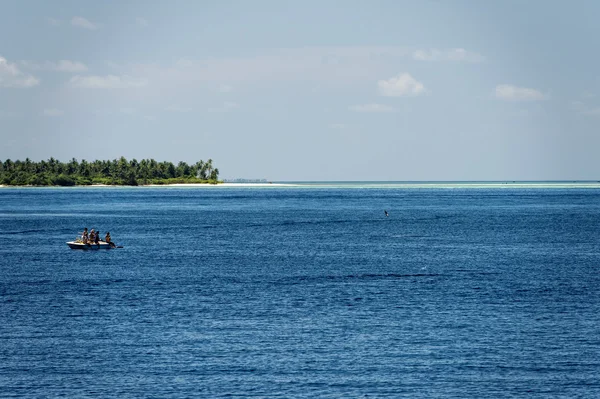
x: 116, y: 172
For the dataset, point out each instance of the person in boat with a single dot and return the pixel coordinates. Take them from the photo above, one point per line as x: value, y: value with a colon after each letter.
x: 107, y: 240
x: 97, y: 238
x: 92, y: 236
x: 84, y: 236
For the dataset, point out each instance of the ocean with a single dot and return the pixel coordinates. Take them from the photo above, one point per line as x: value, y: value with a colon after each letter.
x: 303, y: 291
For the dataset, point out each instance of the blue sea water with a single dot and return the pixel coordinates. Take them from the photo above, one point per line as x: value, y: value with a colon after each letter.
x: 296, y: 292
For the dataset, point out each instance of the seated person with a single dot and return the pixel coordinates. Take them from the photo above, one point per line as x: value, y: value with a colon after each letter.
x: 84, y: 236
x: 107, y: 239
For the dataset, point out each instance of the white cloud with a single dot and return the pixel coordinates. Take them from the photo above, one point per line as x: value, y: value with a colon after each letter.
x: 454, y: 54
x: 177, y: 108
x: 141, y: 22
x: 372, y: 108
x: 11, y: 76
x: 53, y: 112
x: 81, y: 22
x: 106, y: 82
x: 227, y: 106
x: 401, y: 85
x: 60, y: 66
x: 514, y: 93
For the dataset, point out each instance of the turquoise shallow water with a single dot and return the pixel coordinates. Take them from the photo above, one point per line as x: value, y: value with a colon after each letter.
x: 290, y: 292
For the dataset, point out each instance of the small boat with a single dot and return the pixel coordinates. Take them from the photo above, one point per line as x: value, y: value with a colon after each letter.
x: 78, y: 244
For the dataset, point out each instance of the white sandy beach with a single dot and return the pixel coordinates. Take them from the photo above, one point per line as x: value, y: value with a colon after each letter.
x: 222, y: 185
x: 191, y: 185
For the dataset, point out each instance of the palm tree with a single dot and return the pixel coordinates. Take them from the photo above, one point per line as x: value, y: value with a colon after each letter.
x: 209, y: 167
x: 198, y: 168
x: 52, y: 165
x: 72, y: 167
x: 143, y: 171
x: 122, y: 168
x: 8, y: 165
x: 41, y: 167
x: 183, y: 169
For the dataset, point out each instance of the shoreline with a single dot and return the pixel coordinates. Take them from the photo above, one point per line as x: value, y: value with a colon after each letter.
x: 221, y: 185
x: 207, y: 185
x: 365, y: 185
x: 173, y: 185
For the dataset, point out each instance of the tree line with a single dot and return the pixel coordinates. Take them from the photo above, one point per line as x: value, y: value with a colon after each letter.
x: 116, y: 172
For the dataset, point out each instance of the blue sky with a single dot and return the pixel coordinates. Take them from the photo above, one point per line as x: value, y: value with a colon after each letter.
x: 313, y: 90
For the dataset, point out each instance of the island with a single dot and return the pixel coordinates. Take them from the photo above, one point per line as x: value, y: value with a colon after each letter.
x: 118, y: 172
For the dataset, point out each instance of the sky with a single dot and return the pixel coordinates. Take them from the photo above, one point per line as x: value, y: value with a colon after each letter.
x: 308, y: 90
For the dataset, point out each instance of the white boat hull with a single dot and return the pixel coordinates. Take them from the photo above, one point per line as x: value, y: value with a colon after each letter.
x: 80, y: 245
